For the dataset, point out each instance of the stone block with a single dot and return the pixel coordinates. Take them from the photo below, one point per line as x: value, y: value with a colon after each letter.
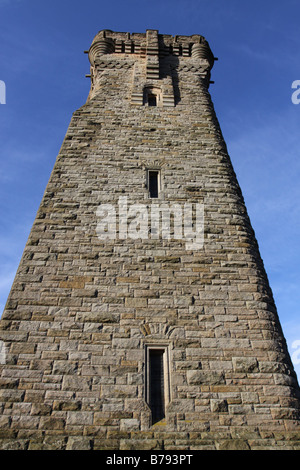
x: 79, y: 443
x: 219, y: 406
x: 245, y: 364
x: 234, y: 444
x: 205, y: 377
x: 79, y: 418
x: 149, y: 444
x: 51, y: 423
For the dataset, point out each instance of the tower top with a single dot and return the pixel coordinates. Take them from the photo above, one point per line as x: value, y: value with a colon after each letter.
x: 150, y: 43
x: 150, y: 54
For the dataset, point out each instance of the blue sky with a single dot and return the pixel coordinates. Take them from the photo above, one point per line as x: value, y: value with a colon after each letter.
x: 258, y: 45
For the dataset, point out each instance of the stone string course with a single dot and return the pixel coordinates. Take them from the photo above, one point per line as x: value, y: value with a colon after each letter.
x: 82, y: 310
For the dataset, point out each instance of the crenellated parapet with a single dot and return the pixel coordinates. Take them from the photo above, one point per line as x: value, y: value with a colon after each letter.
x: 153, y: 58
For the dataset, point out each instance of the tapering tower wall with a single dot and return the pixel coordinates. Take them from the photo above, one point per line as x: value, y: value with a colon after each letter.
x: 141, y: 315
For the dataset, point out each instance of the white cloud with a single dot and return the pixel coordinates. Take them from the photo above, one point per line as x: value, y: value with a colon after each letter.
x: 6, y: 281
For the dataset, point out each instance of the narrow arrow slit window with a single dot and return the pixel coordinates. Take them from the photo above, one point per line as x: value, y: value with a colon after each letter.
x: 153, y: 183
x: 157, y: 384
x: 157, y: 389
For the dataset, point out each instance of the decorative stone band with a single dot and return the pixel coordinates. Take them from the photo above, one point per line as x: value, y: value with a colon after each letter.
x: 152, y: 55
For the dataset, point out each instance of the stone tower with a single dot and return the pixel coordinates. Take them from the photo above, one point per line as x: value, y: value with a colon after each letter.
x: 141, y: 316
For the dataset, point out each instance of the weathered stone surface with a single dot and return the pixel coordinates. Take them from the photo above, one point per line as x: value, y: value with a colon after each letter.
x: 234, y: 444
x: 79, y: 443
x: 205, y: 377
x: 85, y: 313
x: 245, y: 364
x: 219, y: 405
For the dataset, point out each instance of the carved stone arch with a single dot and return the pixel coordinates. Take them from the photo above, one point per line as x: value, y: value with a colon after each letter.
x: 158, y: 331
x: 154, y: 330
